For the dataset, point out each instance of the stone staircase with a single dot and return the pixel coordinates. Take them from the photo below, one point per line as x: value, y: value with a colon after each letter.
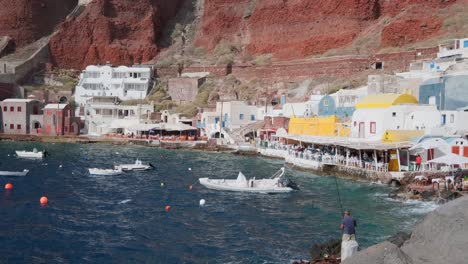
x: 238, y: 134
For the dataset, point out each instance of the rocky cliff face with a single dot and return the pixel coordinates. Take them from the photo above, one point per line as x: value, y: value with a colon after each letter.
x: 295, y: 28
x: 26, y: 20
x: 128, y: 31
x: 115, y: 31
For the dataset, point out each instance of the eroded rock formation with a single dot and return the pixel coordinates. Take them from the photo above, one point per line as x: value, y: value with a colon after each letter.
x: 115, y: 31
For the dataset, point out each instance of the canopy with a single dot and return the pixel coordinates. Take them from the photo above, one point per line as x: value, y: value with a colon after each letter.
x: 450, y: 159
x: 241, y: 177
x: 431, y: 143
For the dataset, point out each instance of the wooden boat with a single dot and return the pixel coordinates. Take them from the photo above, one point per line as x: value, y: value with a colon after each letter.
x: 104, y: 172
x: 14, y: 173
x: 276, y: 184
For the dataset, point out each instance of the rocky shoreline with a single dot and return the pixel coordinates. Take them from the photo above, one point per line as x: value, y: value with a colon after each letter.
x: 439, y: 238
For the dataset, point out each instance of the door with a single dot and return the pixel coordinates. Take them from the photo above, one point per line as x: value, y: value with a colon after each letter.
x: 430, y: 154
x: 362, y: 131
x: 456, y: 150
x: 465, y: 152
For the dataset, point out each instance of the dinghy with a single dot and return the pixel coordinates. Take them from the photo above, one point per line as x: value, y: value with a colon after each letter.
x: 14, y: 173
x: 35, y: 154
x: 276, y: 184
x: 104, y: 172
x: 137, y: 166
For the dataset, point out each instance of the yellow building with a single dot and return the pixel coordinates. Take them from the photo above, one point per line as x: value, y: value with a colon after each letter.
x: 318, y: 126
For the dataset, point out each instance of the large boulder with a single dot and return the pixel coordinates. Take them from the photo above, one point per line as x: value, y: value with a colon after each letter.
x: 383, y: 253
x: 442, y: 237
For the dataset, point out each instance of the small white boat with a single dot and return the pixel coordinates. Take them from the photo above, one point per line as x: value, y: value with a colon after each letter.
x: 137, y: 166
x: 276, y: 184
x: 14, y: 173
x: 104, y: 172
x: 35, y: 154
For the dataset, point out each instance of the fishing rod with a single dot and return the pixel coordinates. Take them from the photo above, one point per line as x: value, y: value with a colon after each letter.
x: 339, y: 196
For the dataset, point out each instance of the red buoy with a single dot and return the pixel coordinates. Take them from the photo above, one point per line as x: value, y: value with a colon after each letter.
x: 44, y: 200
x: 168, y: 208
x: 8, y: 186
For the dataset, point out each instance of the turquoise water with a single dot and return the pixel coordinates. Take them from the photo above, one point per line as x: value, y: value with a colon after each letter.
x: 121, y: 219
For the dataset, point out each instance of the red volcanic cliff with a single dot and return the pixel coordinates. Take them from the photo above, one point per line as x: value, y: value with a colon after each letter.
x: 128, y: 31
x: 26, y: 21
x: 115, y: 31
x: 295, y: 28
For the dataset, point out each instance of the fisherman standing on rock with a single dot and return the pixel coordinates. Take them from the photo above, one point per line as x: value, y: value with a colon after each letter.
x: 349, y: 246
x: 348, y: 224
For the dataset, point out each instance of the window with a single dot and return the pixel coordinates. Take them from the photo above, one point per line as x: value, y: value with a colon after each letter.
x: 241, y: 116
x: 394, y: 114
x: 5, y: 109
x: 12, y: 126
x: 326, y: 102
x: 452, y: 118
x: 373, y: 127
x: 355, y: 123
x: 252, y: 117
x: 18, y: 109
x: 18, y: 126
x: 12, y: 109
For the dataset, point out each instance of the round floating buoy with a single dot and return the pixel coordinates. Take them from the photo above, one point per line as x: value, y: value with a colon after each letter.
x: 8, y: 186
x: 60, y: 166
x: 162, y: 184
x: 190, y: 169
x: 44, y: 200
x: 168, y: 208
x: 190, y: 187
x: 202, y: 202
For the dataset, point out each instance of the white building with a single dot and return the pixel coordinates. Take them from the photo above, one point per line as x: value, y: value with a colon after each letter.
x: 106, y: 115
x: 230, y: 116
x: 124, y: 82
x: 453, y: 48
x: 303, y: 109
x: 375, y: 114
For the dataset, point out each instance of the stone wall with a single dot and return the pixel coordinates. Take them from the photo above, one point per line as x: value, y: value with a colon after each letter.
x: 313, y: 68
x: 184, y: 90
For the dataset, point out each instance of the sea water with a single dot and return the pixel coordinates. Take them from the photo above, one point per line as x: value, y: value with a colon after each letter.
x: 122, y: 219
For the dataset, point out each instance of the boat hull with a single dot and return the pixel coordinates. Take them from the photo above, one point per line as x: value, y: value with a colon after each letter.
x: 30, y: 155
x: 103, y: 172
x: 14, y: 173
x: 234, y: 186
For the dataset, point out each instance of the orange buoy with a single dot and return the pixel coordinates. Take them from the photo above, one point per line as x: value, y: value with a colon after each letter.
x: 8, y: 186
x: 190, y: 187
x: 168, y: 208
x: 44, y: 200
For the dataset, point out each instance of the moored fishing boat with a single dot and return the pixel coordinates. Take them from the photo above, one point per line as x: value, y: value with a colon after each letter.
x: 275, y: 184
x: 137, y: 166
x: 14, y: 173
x: 35, y: 154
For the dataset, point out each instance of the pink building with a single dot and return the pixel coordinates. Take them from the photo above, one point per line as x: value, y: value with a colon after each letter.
x: 59, y: 119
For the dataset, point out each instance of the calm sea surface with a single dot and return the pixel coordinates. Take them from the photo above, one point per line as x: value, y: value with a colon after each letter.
x: 121, y: 219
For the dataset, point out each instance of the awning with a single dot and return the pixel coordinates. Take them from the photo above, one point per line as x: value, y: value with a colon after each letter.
x: 431, y: 143
x: 353, y: 143
x: 450, y: 159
